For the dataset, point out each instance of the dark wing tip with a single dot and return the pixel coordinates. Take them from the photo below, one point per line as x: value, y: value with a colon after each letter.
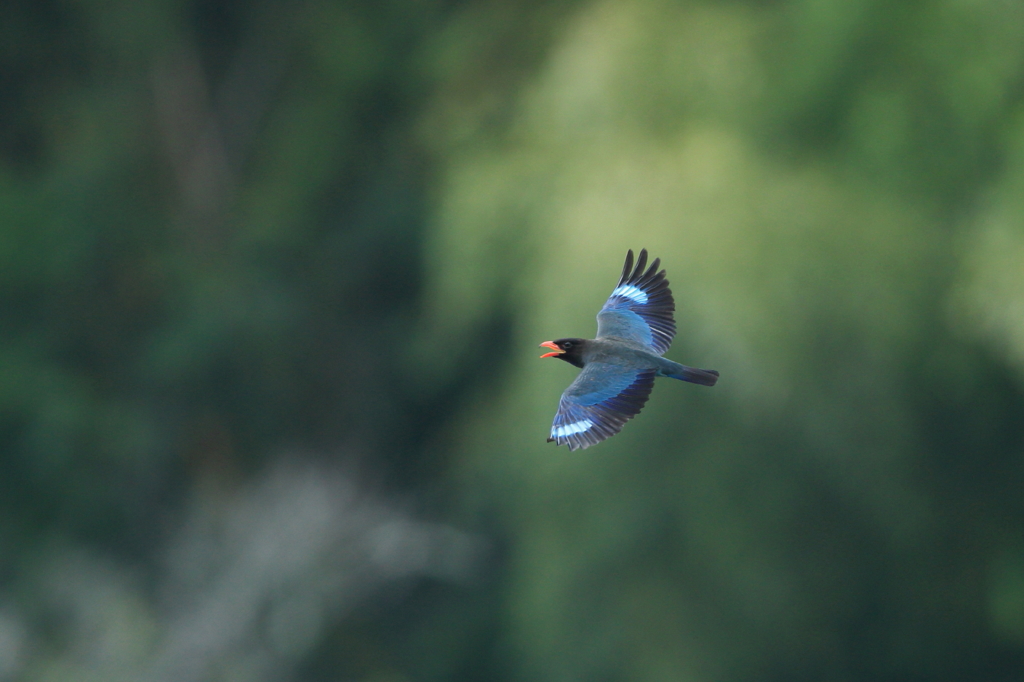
x: 641, y: 272
x: 628, y: 267
x: 641, y: 263
x: 551, y: 440
x: 652, y: 271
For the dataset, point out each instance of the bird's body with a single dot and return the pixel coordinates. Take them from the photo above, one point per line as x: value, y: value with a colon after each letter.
x: 634, y: 328
x: 616, y: 351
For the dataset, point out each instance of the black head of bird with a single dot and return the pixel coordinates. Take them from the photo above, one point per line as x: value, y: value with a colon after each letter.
x: 570, y: 350
x: 634, y: 328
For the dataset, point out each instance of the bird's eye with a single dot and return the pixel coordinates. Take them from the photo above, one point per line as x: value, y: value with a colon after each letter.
x: 567, y: 345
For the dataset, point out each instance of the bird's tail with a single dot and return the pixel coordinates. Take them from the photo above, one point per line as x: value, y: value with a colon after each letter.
x: 704, y: 377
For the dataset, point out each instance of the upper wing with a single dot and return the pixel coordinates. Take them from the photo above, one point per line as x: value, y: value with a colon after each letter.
x: 599, y: 402
x: 641, y: 306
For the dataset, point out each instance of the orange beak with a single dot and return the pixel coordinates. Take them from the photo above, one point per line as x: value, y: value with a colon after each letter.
x: 551, y: 344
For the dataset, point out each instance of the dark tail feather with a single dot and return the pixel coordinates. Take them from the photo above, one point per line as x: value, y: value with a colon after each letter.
x: 704, y: 377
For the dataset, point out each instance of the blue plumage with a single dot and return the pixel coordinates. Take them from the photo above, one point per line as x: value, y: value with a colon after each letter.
x: 596, y: 405
x: 634, y: 328
x: 641, y: 306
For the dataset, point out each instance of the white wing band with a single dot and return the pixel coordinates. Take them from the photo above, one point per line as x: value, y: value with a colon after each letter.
x: 568, y: 429
x: 631, y: 292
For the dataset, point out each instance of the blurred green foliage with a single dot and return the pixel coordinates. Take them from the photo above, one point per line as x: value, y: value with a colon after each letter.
x: 236, y: 230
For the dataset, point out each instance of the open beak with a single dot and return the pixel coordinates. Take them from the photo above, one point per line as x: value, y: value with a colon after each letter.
x: 551, y: 345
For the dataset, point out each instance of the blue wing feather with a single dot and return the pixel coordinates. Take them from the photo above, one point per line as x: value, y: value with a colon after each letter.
x: 597, y: 404
x: 641, y: 306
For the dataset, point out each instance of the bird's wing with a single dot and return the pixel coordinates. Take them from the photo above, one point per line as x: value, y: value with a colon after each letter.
x: 641, y: 306
x: 599, y: 402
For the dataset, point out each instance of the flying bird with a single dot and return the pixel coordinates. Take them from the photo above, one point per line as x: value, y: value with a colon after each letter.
x: 634, y: 328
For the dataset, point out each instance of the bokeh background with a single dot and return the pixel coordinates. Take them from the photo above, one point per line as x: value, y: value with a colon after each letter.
x: 272, y: 278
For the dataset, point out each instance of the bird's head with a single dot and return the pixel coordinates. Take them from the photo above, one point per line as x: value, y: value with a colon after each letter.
x: 570, y: 350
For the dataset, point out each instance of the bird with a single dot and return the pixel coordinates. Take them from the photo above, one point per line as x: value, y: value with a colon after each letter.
x: 634, y: 329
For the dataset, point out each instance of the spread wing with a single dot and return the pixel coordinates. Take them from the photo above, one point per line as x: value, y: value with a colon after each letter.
x: 641, y: 306
x: 599, y: 402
